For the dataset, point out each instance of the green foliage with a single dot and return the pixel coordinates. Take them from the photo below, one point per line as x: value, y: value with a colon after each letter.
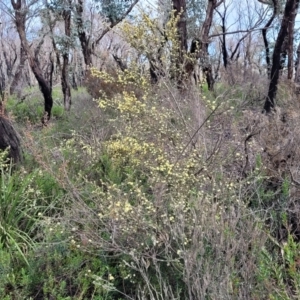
x: 16, y: 221
x: 56, y: 269
x: 286, y: 188
x: 24, y: 112
x: 32, y: 108
x: 113, y: 10
x: 195, y: 14
x: 23, y: 197
x: 57, y: 111
x: 278, y: 271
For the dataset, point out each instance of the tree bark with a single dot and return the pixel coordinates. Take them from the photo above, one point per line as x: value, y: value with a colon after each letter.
x: 65, y: 82
x: 83, y: 38
x: 297, y: 67
x: 290, y: 9
x: 10, y: 57
x: 9, y: 138
x: 290, y: 49
x: 19, y: 73
x: 224, y: 47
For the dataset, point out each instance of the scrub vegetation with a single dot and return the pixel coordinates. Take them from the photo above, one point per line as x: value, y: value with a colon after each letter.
x: 153, y: 185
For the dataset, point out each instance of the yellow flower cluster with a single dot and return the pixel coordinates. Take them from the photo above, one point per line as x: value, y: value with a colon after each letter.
x: 129, y: 103
x: 142, y: 33
x: 132, y: 88
x: 101, y: 74
x: 127, y: 149
x: 147, y: 36
x: 171, y: 30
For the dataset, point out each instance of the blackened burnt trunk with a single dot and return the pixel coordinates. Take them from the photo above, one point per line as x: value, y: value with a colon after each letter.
x: 290, y: 9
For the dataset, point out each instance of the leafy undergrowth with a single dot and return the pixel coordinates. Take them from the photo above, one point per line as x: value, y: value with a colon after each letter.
x: 151, y: 193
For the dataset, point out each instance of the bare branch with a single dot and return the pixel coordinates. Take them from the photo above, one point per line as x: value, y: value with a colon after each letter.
x: 234, y: 32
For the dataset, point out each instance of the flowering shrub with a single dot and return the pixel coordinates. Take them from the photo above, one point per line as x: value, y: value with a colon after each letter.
x: 156, y: 199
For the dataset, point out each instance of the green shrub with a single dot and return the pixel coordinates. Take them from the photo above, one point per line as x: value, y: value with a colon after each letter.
x: 31, y: 109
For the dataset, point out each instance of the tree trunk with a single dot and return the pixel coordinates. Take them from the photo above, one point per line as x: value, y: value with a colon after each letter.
x: 290, y: 9
x: 223, y: 41
x: 84, y: 40
x: 10, y: 57
x: 179, y: 7
x: 209, y: 77
x: 66, y: 87
x: 297, y: 67
x: 264, y: 34
x: 9, y: 138
x: 45, y: 87
x: 291, y: 42
x: 211, y: 6
x: 180, y: 10
x: 19, y: 73
x: 224, y: 47
x: 290, y: 50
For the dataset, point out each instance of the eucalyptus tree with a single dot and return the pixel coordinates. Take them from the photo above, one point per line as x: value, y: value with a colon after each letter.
x: 22, y: 11
x: 8, y: 52
x: 111, y: 12
x: 194, y: 22
x: 290, y: 40
x: 212, y: 5
x: 196, y: 12
x: 12, y: 55
x: 274, y: 4
x: 297, y: 66
x: 289, y: 14
x: 9, y: 65
x: 66, y: 87
x: 62, y: 44
x: 179, y: 7
x: 240, y: 22
x: 287, y: 48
